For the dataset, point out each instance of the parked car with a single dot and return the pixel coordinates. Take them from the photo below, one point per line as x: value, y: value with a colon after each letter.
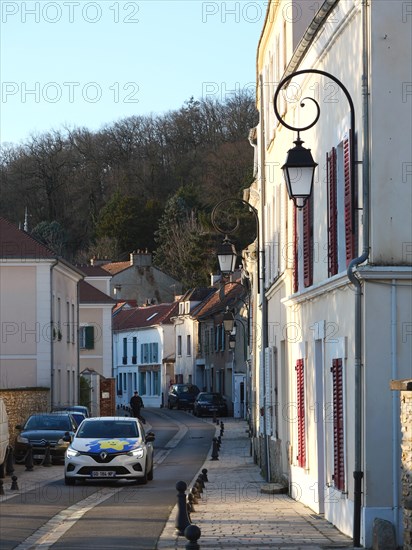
x: 182, y: 396
x: 4, y: 437
x: 77, y: 415
x: 210, y: 403
x: 110, y: 447
x: 73, y: 408
x: 40, y: 430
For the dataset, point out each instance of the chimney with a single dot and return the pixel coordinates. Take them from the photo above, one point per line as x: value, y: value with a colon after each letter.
x: 94, y: 262
x: 214, y: 279
x: 141, y: 258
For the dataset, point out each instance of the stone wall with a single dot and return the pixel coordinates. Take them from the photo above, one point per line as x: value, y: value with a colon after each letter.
x: 21, y: 402
x: 405, y: 387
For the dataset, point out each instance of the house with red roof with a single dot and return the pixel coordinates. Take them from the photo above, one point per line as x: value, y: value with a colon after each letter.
x: 143, y: 352
x: 39, y: 294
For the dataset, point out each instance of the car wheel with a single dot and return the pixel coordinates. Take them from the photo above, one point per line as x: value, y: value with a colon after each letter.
x: 150, y: 473
x: 169, y: 405
x: 69, y: 480
x: 142, y: 480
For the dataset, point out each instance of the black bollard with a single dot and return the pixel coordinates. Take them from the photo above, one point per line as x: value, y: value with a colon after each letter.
x: 182, y: 518
x: 28, y: 461
x: 214, y: 418
x: 10, y: 462
x: 1, y: 487
x: 192, y: 533
x: 215, y: 450
x: 47, y: 457
x: 222, y: 428
x: 190, y: 503
x: 195, y: 495
x: 219, y: 442
x: 14, y: 486
x: 204, y: 472
x: 199, y: 485
x: 201, y: 481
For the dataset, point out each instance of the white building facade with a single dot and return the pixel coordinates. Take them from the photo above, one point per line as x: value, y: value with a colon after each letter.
x: 338, y: 271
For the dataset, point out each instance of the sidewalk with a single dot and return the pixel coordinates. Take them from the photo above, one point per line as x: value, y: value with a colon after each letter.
x: 234, y: 514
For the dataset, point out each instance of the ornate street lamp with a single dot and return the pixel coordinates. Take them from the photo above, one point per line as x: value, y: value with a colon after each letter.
x: 299, y: 172
x: 227, y: 256
x: 228, y: 321
x: 299, y: 194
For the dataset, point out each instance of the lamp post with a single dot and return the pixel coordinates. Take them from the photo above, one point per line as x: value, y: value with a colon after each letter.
x: 299, y: 172
x: 260, y: 283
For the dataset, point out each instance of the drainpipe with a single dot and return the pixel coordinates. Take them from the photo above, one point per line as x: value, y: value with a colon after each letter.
x: 395, y: 411
x: 261, y: 275
x: 51, y: 335
x: 358, y: 473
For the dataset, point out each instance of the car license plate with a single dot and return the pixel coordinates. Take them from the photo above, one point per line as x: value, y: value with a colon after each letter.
x: 213, y: 409
x: 38, y: 457
x: 103, y: 473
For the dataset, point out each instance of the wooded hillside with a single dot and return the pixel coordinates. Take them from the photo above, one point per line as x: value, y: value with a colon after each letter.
x: 144, y: 182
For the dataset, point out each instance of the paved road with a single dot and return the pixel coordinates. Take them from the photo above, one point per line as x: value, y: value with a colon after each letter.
x: 105, y: 515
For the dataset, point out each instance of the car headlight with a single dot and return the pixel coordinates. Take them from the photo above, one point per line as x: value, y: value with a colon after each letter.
x: 137, y: 453
x: 71, y: 453
x: 21, y: 439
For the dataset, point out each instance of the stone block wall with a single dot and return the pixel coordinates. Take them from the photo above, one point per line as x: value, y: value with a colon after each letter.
x: 107, y: 397
x: 405, y: 388
x: 21, y: 402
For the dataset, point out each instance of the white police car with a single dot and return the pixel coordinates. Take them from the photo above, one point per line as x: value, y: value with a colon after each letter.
x: 110, y: 447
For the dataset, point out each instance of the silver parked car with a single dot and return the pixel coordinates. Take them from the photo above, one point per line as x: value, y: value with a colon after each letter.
x: 110, y: 447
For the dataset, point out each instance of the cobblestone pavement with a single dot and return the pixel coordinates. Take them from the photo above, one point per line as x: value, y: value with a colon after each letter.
x: 233, y: 512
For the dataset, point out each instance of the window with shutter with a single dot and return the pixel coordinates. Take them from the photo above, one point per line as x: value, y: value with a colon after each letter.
x: 349, y: 201
x: 134, y: 350
x: 300, y: 386
x: 331, y: 175
x: 124, y: 360
x: 338, y: 425
x: 295, y: 251
x: 308, y: 243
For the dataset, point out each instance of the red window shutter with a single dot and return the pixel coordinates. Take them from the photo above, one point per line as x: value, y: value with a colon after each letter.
x: 349, y: 201
x: 295, y: 251
x: 308, y: 243
x: 300, y: 385
x: 338, y: 426
x: 332, y: 212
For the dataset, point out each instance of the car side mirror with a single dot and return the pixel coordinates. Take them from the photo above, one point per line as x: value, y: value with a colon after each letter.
x: 67, y: 437
x: 19, y: 427
x: 150, y: 436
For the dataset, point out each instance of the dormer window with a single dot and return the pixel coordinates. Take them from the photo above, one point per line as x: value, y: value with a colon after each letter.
x: 187, y: 307
x: 181, y: 308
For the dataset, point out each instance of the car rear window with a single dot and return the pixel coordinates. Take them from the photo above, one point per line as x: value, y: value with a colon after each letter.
x: 106, y: 429
x: 52, y: 422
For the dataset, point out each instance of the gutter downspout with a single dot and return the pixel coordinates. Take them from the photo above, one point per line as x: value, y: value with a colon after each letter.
x: 262, y: 281
x: 51, y: 336
x: 396, y: 445
x: 358, y: 473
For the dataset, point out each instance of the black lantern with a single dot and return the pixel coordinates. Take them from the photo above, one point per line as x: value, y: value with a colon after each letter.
x: 299, y: 171
x: 228, y: 321
x: 227, y: 256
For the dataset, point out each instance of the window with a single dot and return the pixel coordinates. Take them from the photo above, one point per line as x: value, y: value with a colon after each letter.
x: 149, y: 353
x: 341, y: 207
x: 124, y: 359
x: 338, y: 426
x: 68, y: 322
x: 188, y: 345
x: 308, y: 243
x: 179, y: 345
x: 295, y: 274
x: 134, y: 350
x: 119, y: 384
x: 73, y: 325
x: 86, y: 337
x: 300, y: 386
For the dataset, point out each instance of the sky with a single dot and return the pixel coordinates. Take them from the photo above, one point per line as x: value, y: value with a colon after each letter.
x: 80, y: 63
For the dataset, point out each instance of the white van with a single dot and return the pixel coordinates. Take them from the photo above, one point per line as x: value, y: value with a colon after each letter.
x: 4, y: 437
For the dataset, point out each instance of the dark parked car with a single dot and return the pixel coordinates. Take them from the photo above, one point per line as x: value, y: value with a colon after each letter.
x: 74, y: 408
x: 182, y: 396
x: 40, y: 430
x: 210, y: 403
x: 77, y: 415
